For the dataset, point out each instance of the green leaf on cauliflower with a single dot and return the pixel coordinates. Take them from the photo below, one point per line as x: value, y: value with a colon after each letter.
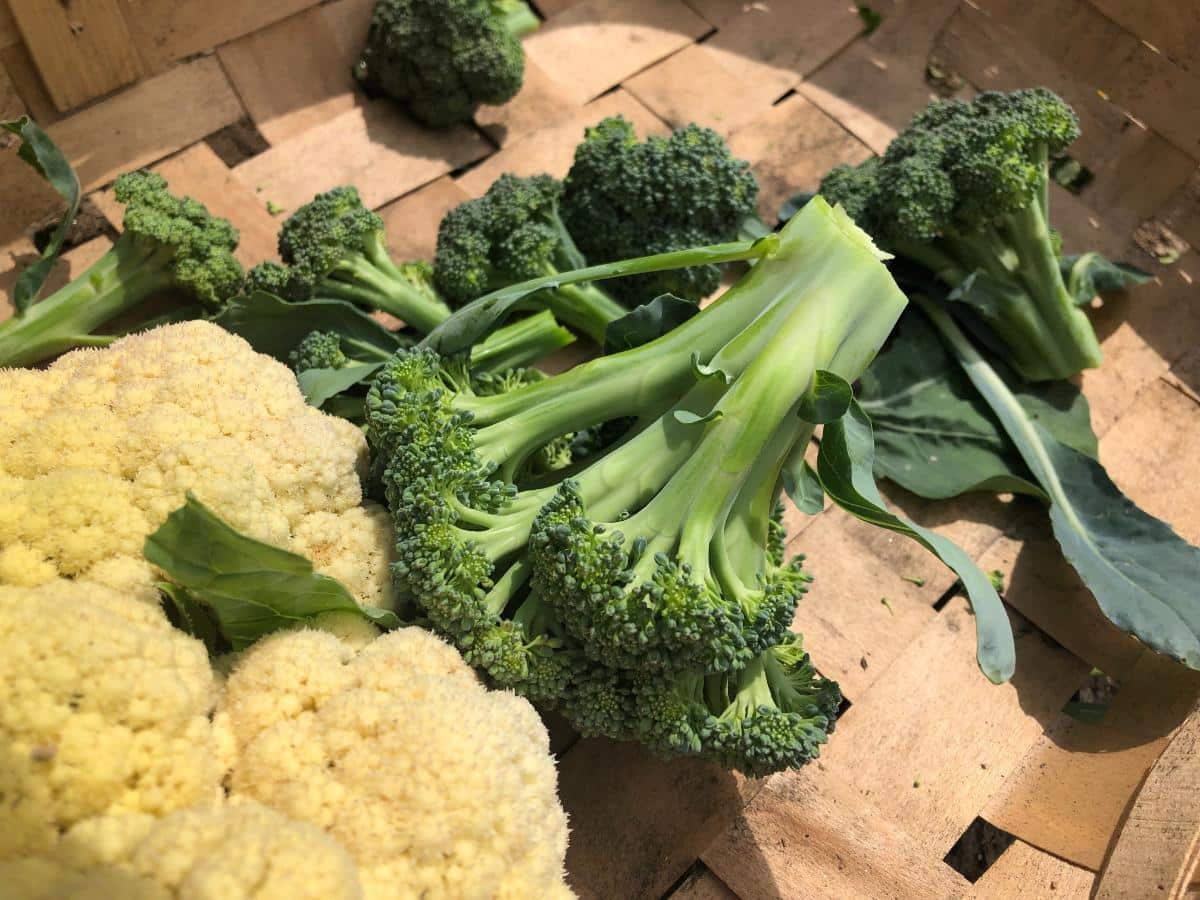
x: 251, y: 588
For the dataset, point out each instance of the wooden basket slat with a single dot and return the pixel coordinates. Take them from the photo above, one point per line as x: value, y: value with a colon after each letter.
x: 639, y: 823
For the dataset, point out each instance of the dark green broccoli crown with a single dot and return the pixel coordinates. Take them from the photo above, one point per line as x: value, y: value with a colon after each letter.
x: 325, y: 233
x: 510, y: 234
x: 200, y: 244
x: 624, y: 198
x: 443, y: 58
x: 319, y: 350
x: 631, y: 610
x: 957, y: 165
x: 273, y: 278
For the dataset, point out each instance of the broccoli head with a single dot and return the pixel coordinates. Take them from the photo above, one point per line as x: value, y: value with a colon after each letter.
x: 319, y: 350
x: 654, y: 563
x: 962, y: 191
x: 168, y: 243
x: 336, y: 248
x: 624, y: 198
x: 514, y: 233
x: 444, y: 58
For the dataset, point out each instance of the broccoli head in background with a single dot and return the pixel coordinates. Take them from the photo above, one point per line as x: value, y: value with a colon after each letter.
x: 514, y: 233
x: 444, y: 58
x: 625, y: 199
x: 168, y: 243
x: 336, y: 249
x: 962, y: 192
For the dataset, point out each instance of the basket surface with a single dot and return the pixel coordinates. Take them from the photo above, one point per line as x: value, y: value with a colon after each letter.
x: 244, y: 104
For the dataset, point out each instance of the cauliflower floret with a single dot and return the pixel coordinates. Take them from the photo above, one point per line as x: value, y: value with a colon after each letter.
x: 437, y: 787
x: 104, y: 707
x: 242, y: 851
x: 97, y: 450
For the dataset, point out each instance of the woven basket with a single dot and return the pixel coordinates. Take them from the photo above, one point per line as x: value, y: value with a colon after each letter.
x: 248, y: 104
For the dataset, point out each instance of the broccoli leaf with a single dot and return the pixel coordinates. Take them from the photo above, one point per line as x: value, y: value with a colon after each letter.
x: 188, y: 614
x: 470, y: 323
x: 647, y: 322
x: 935, y: 435
x: 1089, y: 274
x: 319, y: 385
x: 844, y: 466
x: 828, y: 398
x: 251, y: 588
x: 1141, y: 572
x: 801, y: 483
x: 275, y: 327
x: 40, y: 151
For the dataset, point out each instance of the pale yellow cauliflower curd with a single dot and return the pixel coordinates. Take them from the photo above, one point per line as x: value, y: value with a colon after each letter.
x: 242, y: 851
x: 437, y: 787
x: 98, y: 449
x: 104, y: 708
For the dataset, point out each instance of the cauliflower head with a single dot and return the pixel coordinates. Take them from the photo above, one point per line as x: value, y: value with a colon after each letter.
x: 99, y: 448
x: 437, y: 787
x: 104, y: 708
x: 241, y: 851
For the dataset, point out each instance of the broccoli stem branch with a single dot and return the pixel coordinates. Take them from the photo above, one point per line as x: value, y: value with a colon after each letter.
x: 519, y: 344
x: 118, y: 281
x: 386, y: 289
x: 519, y: 19
x: 584, y: 307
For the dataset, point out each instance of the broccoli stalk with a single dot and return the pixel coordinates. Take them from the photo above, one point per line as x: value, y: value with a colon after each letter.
x: 533, y: 578
x: 337, y: 249
x: 963, y: 192
x: 168, y: 244
x: 443, y: 58
x: 511, y: 234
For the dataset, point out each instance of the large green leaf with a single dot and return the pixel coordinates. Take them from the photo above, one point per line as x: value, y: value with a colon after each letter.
x: 844, y: 465
x: 320, y: 385
x: 647, y: 322
x: 937, y: 437
x: 251, y: 588
x: 40, y: 152
x: 275, y: 327
x: 1143, y: 575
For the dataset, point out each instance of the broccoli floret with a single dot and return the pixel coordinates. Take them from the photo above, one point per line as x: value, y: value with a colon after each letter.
x: 514, y: 233
x: 624, y: 199
x: 962, y: 192
x: 168, y: 243
x: 444, y: 58
x: 655, y: 557
x: 336, y: 249
x: 319, y: 350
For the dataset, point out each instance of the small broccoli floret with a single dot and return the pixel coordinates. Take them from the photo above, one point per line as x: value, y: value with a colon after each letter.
x: 444, y: 58
x: 586, y: 585
x: 963, y: 192
x: 168, y: 243
x: 624, y: 199
x: 319, y: 350
x: 336, y: 248
x: 514, y: 233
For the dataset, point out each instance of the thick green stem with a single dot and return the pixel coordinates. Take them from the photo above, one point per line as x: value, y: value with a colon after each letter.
x: 519, y: 19
x: 377, y: 282
x: 519, y: 344
x: 585, y: 308
x: 118, y: 281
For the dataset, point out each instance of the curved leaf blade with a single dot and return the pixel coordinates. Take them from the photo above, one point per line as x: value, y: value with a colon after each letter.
x: 844, y: 466
x: 1089, y: 274
x: 647, y: 322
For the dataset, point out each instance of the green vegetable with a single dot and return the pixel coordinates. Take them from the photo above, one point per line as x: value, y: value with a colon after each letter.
x: 444, y: 58
x: 642, y: 589
x: 623, y: 199
x: 962, y: 191
x: 241, y: 588
x: 168, y: 244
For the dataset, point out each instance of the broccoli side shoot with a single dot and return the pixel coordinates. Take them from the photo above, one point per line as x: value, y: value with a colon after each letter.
x: 962, y: 192
x: 444, y: 58
x: 336, y: 249
x: 654, y: 561
x: 168, y: 243
x: 624, y: 199
x: 511, y: 234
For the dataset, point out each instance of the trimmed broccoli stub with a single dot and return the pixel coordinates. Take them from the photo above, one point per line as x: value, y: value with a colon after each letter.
x: 168, y: 243
x: 336, y: 248
x: 595, y: 585
x: 962, y: 191
x: 445, y: 58
x: 511, y: 234
x: 624, y: 199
